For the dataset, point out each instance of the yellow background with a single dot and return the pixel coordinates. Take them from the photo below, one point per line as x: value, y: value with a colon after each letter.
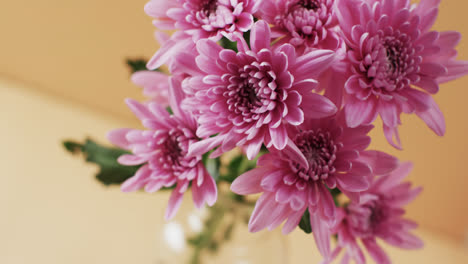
x: 62, y: 75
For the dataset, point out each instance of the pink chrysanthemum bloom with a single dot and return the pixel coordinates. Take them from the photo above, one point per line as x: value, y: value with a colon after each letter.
x: 155, y: 85
x: 198, y: 19
x: 302, y: 23
x: 308, y: 25
x: 396, y: 62
x: 181, y: 42
x: 247, y: 98
x: 162, y: 149
x: 322, y: 154
x: 378, y: 215
x: 333, y: 79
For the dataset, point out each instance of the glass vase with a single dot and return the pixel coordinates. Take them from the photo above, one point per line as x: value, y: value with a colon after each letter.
x: 219, y: 234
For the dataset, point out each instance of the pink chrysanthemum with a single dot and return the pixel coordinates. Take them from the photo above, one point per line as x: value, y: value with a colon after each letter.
x: 198, y: 19
x: 302, y: 23
x: 155, y: 85
x: 378, y: 215
x: 322, y: 154
x: 162, y: 149
x: 308, y: 25
x: 177, y: 43
x: 391, y: 52
x: 247, y: 98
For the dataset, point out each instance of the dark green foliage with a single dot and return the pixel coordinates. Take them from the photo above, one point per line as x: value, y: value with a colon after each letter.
x: 137, y: 65
x: 111, y: 172
x: 232, y: 45
x: 237, y: 166
x: 234, y: 168
x: 304, y: 224
x: 212, y: 165
x: 335, y: 193
x: 227, y: 44
x: 247, y: 37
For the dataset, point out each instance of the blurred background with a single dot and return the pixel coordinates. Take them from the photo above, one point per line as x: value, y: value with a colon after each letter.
x: 63, y: 76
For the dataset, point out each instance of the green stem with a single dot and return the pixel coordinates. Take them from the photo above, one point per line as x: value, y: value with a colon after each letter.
x: 217, y: 229
x: 205, y: 240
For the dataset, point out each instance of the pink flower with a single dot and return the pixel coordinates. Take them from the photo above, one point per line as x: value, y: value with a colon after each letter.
x: 302, y: 23
x: 162, y: 149
x: 378, y: 215
x: 198, y: 19
x: 322, y: 154
x: 172, y: 46
x: 155, y: 85
x: 333, y: 79
x: 308, y: 25
x: 396, y: 62
x: 247, y: 98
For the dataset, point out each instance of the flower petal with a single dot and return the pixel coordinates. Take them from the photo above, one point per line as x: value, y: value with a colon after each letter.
x: 357, y: 111
x: 380, y: 162
x: 321, y: 234
x: 249, y: 182
x: 174, y: 203
x: 376, y: 251
x: 260, y: 36
x: 118, y: 137
x: 317, y: 106
x: 433, y: 117
x: 352, y: 182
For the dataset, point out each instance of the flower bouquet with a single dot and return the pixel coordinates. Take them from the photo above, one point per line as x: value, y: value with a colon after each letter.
x: 275, y: 99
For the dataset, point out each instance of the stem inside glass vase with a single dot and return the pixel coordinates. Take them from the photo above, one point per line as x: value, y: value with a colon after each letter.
x: 225, y: 237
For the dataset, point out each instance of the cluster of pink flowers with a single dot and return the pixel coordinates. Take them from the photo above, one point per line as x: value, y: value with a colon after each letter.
x: 305, y: 83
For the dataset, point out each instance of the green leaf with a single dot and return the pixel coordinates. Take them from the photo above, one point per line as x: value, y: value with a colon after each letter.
x: 335, y: 194
x: 137, y: 65
x: 212, y: 165
x: 169, y: 110
x: 237, y: 166
x: 304, y: 224
x: 246, y: 36
x: 232, y: 45
x: 227, y: 44
x: 234, y: 168
x: 111, y: 172
x: 72, y: 147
